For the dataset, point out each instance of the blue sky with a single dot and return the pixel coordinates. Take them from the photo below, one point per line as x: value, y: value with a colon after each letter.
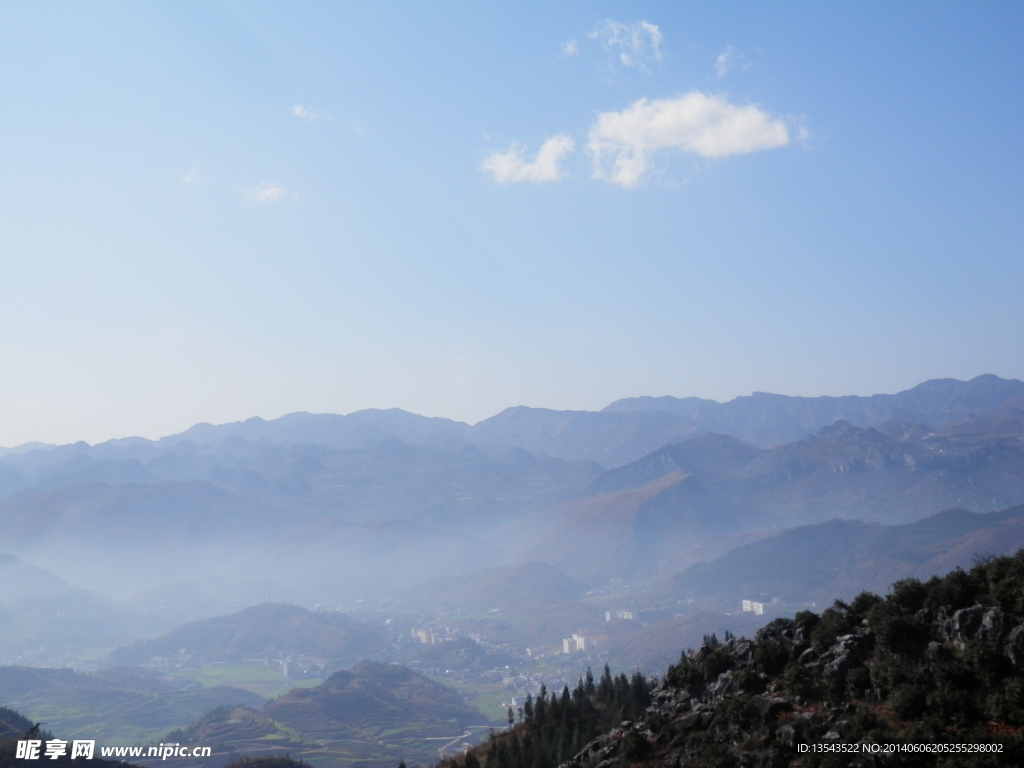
x: 217, y: 210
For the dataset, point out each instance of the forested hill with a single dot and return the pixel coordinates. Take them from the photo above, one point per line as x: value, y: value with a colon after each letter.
x: 937, y: 663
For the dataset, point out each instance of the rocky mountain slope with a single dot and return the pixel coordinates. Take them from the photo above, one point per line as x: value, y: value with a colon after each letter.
x: 814, y: 563
x: 895, y: 473
x: 931, y: 675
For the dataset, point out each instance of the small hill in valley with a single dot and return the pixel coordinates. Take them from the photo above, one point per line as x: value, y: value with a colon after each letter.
x: 268, y: 630
x: 371, y: 715
x: 372, y: 696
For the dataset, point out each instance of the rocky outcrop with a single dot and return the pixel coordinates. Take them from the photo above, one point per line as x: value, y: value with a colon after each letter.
x: 742, y: 716
x: 864, y: 684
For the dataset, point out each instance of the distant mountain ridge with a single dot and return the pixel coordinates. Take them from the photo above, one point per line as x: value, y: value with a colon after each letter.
x: 359, y: 429
x: 621, y: 432
x: 766, y: 419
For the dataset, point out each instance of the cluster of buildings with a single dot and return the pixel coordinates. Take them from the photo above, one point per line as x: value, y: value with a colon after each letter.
x: 429, y: 636
x: 574, y: 644
x: 622, y: 615
x: 751, y: 606
x: 646, y: 616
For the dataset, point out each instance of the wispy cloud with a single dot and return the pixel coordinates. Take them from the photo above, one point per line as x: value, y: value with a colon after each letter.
x: 511, y: 165
x: 725, y: 61
x: 729, y: 60
x: 621, y: 144
x: 632, y: 45
x: 308, y: 114
x: 191, y: 177
x: 570, y: 48
x: 268, y: 192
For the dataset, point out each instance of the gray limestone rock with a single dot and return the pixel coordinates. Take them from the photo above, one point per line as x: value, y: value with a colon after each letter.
x: 964, y: 624
x: 991, y: 624
x: 841, y: 656
x: 1015, y: 645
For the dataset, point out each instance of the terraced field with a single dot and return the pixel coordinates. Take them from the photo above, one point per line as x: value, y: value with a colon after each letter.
x: 261, y: 679
x: 372, y: 715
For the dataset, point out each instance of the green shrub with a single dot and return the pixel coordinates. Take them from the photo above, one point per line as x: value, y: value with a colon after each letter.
x: 634, y: 746
x: 895, y: 631
x: 863, y: 602
x: 770, y: 657
x: 1005, y: 579
x: 685, y: 675
x: 908, y: 701
x: 909, y: 594
x: 710, y: 752
x: 863, y: 723
x: 737, y: 710
x: 715, y: 663
x: 834, y: 622
x: 1006, y: 704
x: 749, y: 681
x: 799, y: 681
x: 858, y: 682
x: 955, y: 590
x: 806, y: 620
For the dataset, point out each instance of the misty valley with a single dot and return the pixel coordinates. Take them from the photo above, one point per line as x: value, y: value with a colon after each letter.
x: 381, y: 586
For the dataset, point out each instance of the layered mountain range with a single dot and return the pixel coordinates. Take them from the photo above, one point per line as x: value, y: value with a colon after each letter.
x: 333, y: 510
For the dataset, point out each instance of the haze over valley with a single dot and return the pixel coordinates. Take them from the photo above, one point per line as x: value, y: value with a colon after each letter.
x: 548, y: 517
x: 303, y: 545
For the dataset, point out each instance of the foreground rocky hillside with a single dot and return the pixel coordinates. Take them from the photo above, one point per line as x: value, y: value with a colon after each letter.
x: 931, y: 675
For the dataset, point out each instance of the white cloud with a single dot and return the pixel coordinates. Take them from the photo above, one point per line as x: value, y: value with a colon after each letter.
x: 308, y: 114
x: 631, y: 44
x: 191, y: 177
x: 622, y: 143
x: 510, y: 165
x: 268, y: 192
x: 724, y: 61
x: 570, y: 48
